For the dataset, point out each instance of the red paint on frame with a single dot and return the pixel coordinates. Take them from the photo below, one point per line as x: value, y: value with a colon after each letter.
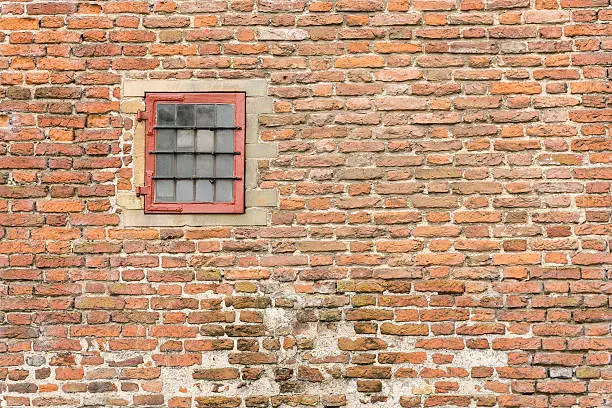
x: 238, y: 99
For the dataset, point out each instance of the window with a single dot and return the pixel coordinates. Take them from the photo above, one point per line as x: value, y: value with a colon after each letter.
x: 194, y: 152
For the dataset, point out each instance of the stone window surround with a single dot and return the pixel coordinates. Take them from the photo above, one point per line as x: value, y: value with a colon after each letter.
x: 258, y: 202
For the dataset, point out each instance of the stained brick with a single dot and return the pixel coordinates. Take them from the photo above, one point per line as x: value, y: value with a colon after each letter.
x: 443, y: 178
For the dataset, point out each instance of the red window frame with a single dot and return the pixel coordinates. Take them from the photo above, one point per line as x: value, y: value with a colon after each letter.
x: 238, y: 99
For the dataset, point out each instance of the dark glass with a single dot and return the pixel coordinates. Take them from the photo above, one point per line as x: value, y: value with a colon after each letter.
x: 224, y: 192
x: 205, y: 115
x: 184, y: 165
x: 164, y: 190
x: 225, y: 115
x: 166, y: 113
x: 205, y: 166
x: 224, y: 141
x: 184, y: 191
x: 185, y: 114
x: 207, y: 189
x: 164, y: 165
x: 224, y: 165
x: 204, y: 191
x: 166, y: 139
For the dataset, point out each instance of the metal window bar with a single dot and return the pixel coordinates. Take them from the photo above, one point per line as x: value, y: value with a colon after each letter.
x: 191, y: 152
x: 214, y: 158
x: 200, y: 127
x: 194, y: 178
x: 212, y: 179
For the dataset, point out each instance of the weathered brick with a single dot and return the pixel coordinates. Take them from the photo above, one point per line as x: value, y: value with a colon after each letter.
x: 436, y: 177
x: 17, y: 23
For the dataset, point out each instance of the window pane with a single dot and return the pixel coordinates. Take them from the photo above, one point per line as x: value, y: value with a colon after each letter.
x: 204, y: 166
x: 224, y: 165
x: 193, y: 175
x: 184, y: 139
x: 165, y: 139
x: 224, y: 191
x: 184, y: 191
x: 184, y: 165
x: 164, y: 190
x: 164, y: 165
x: 165, y: 114
x: 224, y: 141
x: 205, y: 140
x: 225, y: 115
x: 185, y: 115
x: 204, y: 191
x: 205, y: 115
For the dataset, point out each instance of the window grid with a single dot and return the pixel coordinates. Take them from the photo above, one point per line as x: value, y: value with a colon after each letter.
x: 196, y: 135
x: 177, y: 125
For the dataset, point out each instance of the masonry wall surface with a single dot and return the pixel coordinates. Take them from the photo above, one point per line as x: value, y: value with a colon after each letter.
x: 431, y: 183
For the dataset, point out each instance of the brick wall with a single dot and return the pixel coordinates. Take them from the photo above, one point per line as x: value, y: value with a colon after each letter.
x: 442, y: 236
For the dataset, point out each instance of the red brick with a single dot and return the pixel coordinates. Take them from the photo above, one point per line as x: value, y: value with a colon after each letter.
x: 16, y: 23
x: 443, y: 181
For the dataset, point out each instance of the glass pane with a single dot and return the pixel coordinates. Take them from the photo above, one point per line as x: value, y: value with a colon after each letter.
x: 184, y: 191
x: 184, y: 165
x: 165, y: 139
x: 165, y: 114
x: 164, y: 165
x: 164, y: 190
x: 224, y: 141
x: 225, y: 115
x: 224, y: 191
x: 205, y: 115
x: 224, y: 165
x: 204, y: 191
x: 204, y: 166
x: 184, y: 139
x: 205, y: 140
x: 185, y: 115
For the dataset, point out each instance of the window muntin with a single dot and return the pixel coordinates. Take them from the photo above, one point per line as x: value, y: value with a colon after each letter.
x: 195, y: 153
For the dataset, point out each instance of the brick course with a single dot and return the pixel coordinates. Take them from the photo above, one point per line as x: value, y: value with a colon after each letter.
x: 442, y: 233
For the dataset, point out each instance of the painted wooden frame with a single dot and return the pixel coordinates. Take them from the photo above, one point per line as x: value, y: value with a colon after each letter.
x: 238, y: 99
